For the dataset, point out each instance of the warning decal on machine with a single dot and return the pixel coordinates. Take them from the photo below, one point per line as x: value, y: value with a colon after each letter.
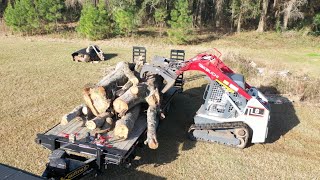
x: 254, y: 111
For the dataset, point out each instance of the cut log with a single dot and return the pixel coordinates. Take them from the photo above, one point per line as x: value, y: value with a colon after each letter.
x: 108, y: 126
x: 98, y: 121
x: 71, y: 115
x: 119, y: 76
x: 124, y: 88
x: 130, y: 75
x: 154, y: 98
x: 138, y: 66
x: 134, y: 90
x: 87, y: 112
x: 88, y: 100
x: 96, y: 100
x: 99, y: 99
x: 128, y: 100
x: 154, y: 82
x: 152, y: 122
x: 126, y: 123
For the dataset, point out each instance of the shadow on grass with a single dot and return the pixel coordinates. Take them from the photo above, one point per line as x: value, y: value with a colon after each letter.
x: 198, y: 39
x: 282, y: 116
x: 109, y: 56
x: 172, y: 138
x: 148, y: 33
x: 125, y: 173
x: 172, y: 134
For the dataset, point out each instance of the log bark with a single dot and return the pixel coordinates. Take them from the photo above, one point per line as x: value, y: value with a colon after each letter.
x: 152, y: 122
x: 108, y: 126
x: 87, y: 99
x: 98, y: 121
x: 71, y: 115
x: 124, y: 125
x: 124, y: 88
x: 99, y: 98
x: 120, y: 75
x: 263, y: 17
x: 154, y: 82
x: 154, y: 100
x: 96, y: 99
x: 128, y: 100
x: 138, y: 66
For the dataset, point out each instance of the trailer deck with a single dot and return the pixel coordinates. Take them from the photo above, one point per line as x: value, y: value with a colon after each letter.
x: 112, y: 144
x: 113, y: 149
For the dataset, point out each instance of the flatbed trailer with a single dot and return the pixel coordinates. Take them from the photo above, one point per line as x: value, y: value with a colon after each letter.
x: 77, y: 151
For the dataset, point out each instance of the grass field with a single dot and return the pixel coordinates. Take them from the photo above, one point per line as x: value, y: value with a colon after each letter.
x: 39, y: 83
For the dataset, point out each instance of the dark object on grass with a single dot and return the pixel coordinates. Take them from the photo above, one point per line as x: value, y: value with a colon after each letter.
x: 89, y: 54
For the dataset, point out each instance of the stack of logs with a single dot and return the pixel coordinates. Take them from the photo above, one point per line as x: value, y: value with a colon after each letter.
x: 115, y: 102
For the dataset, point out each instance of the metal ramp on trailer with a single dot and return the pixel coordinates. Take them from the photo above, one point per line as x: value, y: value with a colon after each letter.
x: 178, y: 55
x: 139, y: 54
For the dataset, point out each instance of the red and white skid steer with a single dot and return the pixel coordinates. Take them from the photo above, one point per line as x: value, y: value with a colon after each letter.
x: 233, y: 112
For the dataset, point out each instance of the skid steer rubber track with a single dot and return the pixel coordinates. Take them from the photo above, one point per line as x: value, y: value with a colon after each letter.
x: 234, y: 134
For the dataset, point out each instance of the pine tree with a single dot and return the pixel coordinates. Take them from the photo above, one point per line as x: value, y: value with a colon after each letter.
x: 125, y: 20
x: 49, y: 12
x: 181, y: 22
x: 160, y: 16
x: 316, y: 24
x: 94, y: 22
x: 243, y: 10
x: 22, y: 17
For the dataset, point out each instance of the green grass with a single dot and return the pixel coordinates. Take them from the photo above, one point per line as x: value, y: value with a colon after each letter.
x: 39, y: 83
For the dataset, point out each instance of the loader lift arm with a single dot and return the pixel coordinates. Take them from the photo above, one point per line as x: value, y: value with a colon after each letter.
x: 216, y: 70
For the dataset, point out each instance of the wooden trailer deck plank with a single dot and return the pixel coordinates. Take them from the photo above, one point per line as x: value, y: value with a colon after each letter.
x: 58, y: 128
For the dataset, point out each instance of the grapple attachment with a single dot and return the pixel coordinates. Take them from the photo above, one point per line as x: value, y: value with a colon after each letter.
x: 161, y: 66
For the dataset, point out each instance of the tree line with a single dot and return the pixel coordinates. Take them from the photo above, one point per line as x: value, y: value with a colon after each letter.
x: 98, y: 19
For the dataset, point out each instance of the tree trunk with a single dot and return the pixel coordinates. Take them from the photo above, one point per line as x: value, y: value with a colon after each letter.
x: 263, y: 17
x: 98, y: 121
x: 219, y: 12
x: 128, y: 100
x: 126, y: 123
x: 71, y: 115
x: 239, y: 22
x: 287, y: 14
